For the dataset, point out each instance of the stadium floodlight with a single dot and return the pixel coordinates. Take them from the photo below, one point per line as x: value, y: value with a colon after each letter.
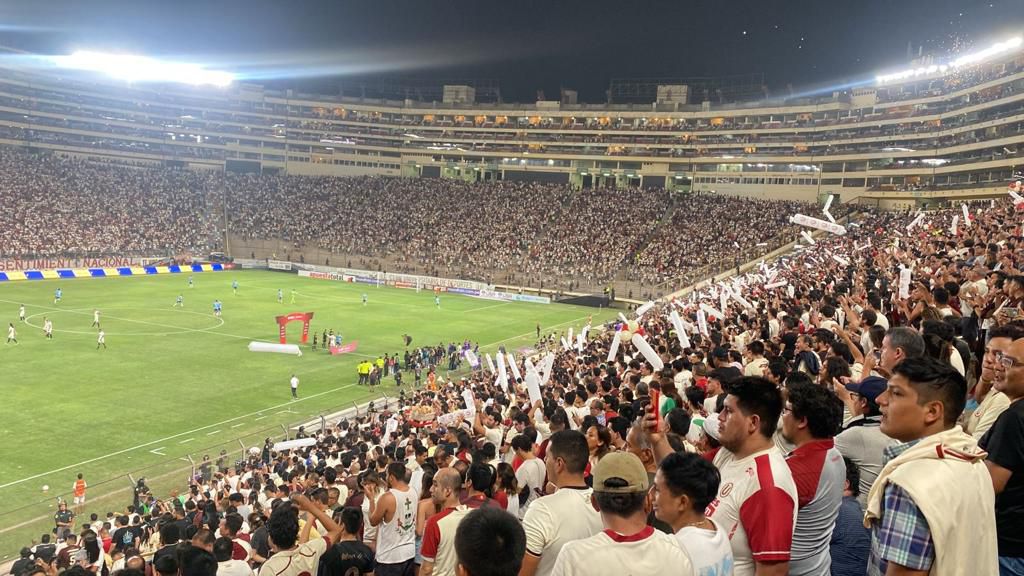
x: 997, y: 49
x: 133, y: 68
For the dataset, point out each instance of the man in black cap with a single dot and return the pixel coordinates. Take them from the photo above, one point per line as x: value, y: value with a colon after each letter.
x: 861, y: 439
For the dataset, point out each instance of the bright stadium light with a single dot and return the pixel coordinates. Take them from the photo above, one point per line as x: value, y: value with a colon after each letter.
x: 997, y: 49
x: 143, y: 69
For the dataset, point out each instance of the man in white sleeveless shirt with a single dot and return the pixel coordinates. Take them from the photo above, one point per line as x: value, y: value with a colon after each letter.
x: 395, y: 515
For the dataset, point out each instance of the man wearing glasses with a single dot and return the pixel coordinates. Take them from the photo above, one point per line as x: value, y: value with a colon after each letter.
x: 1005, y: 446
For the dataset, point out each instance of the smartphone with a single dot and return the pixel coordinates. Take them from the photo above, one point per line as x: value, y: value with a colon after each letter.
x: 654, y: 407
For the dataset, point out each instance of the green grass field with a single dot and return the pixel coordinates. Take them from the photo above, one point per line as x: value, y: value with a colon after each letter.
x: 175, y: 383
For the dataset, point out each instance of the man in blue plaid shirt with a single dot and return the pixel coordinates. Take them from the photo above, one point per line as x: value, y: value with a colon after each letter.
x: 934, y: 484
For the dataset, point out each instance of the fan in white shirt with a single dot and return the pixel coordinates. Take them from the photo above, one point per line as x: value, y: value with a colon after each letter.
x: 627, y: 545
x: 683, y: 487
x: 222, y: 549
x: 531, y: 473
x: 565, y: 516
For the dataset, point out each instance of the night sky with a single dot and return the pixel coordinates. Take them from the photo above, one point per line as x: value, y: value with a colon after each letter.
x: 526, y: 45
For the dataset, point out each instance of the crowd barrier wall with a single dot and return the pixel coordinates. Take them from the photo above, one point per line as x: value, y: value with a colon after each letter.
x: 71, y: 273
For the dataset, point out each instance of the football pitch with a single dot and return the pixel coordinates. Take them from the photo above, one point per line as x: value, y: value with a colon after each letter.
x: 178, y: 383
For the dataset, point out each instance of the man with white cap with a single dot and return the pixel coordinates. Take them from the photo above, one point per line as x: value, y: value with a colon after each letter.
x: 627, y: 545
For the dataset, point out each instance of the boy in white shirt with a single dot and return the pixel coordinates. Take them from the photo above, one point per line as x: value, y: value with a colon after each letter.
x: 684, y: 486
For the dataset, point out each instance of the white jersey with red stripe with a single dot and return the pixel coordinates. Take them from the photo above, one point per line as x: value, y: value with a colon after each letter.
x: 756, y: 506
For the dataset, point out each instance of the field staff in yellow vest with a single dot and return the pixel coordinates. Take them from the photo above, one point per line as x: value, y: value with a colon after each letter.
x: 363, y: 369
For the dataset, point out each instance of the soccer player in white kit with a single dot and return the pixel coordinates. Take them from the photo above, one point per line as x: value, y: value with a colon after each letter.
x: 48, y: 328
x: 101, y: 339
x: 21, y: 313
x: 95, y: 319
x: 12, y: 334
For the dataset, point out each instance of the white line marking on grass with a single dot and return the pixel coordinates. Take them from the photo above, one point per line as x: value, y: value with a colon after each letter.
x: 212, y: 433
x: 533, y: 333
x: 261, y: 417
x: 237, y: 425
x: 178, y: 329
x: 172, y: 437
x: 186, y: 440
x: 485, y: 307
x: 158, y: 452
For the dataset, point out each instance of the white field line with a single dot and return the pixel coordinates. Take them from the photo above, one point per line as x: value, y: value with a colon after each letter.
x: 172, y: 437
x: 179, y: 329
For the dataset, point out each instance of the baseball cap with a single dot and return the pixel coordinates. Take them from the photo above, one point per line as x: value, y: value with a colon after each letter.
x: 870, y: 387
x: 710, y: 426
x: 620, y: 473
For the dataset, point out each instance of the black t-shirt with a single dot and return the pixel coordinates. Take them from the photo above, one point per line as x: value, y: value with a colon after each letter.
x: 1005, y: 446
x: 22, y: 565
x: 64, y: 516
x: 347, y: 558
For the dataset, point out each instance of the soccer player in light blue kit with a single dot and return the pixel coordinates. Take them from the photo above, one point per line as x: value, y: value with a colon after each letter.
x: 57, y: 296
x: 190, y: 285
x: 280, y: 296
x: 216, y: 308
x: 437, y: 301
x: 364, y: 298
x: 179, y: 302
x: 234, y: 286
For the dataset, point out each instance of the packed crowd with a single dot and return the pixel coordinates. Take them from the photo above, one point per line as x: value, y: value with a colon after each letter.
x: 63, y: 206
x: 528, y: 233
x: 713, y: 230
x: 848, y: 409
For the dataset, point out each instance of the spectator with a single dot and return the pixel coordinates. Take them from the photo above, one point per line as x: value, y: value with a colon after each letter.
x: 565, y: 516
x: 627, y: 545
x: 683, y: 488
x: 933, y: 482
x: 811, y: 418
x: 850, y: 543
x: 489, y: 542
x: 439, y: 555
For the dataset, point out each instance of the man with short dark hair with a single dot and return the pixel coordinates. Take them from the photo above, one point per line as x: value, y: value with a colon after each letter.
x: 627, y: 545
x: 683, y: 488
x: 489, y: 542
x: 757, y: 501
x: 395, y: 515
x: 67, y: 552
x: 230, y: 526
x: 291, y: 558
x: 223, y: 548
x: 169, y: 536
x: 934, y: 482
x: 567, y: 515
x: 811, y: 418
x: 196, y: 562
x: 349, y: 556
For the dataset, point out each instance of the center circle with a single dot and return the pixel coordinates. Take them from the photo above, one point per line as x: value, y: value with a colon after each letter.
x: 110, y: 314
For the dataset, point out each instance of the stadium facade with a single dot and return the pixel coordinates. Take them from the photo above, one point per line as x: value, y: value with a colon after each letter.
x: 912, y: 141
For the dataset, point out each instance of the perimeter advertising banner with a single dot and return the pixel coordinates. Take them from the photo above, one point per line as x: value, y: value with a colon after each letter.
x: 19, y: 264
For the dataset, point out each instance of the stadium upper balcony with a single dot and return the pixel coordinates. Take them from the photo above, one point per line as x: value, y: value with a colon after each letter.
x: 925, y: 130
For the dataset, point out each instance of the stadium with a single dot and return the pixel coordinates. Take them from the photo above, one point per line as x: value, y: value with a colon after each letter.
x: 419, y: 321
